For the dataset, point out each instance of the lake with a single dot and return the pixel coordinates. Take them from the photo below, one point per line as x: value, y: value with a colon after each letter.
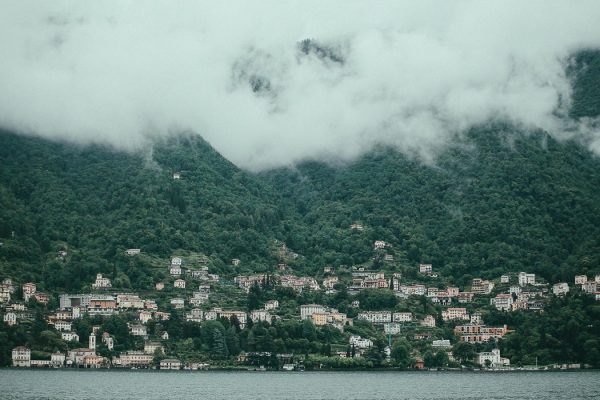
x: 112, y: 384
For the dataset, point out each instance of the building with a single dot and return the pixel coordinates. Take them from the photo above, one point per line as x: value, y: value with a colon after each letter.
x: 151, y: 347
x: 473, y: 333
x: 179, y: 283
x: 138, y: 330
x: 108, y: 340
x: 130, y: 301
x: 77, y: 356
x: 21, y: 357
x: 458, y: 313
x: 504, y: 279
x: 74, y: 300
x: 402, y: 317
x: 262, y: 315
x: 560, y: 289
x: 375, y: 317
x: 426, y: 269
x: 196, y: 315
x: 102, y: 305
x: 176, y: 261
x: 170, y: 364
x: 359, y: 342
x: 580, y: 279
x: 159, y: 286
x: 57, y: 359
x: 491, y: 359
x: 69, y: 336
x: 357, y: 227
x: 145, y: 316
x: 63, y: 326
x: 480, y: 286
x: 101, y: 282
x: 271, y: 305
x: 235, y: 262
x: 392, y: 328
x: 465, y: 297
x: 428, y: 321
x: 132, y: 252
x: 176, y: 175
x: 526, y: 279
x: 379, y: 244
x: 442, y: 343
x: 10, y: 318
x: 307, y: 310
x: 330, y: 281
x: 175, y: 270
x: 590, y: 287
x: 178, y: 303
x: 137, y: 359
x: 502, y: 302
x: 28, y: 290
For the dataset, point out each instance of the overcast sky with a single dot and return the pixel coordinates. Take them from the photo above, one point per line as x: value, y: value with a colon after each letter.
x: 408, y: 74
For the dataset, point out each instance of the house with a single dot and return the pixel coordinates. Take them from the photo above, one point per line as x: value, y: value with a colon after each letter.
x: 70, y: 336
x: 465, y: 297
x: 150, y: 305
x: 375, y: 317
x: 307, y: 310
x: 560, y: 289
x: 130, y: 301
x: 176, y: 175
x: 261, y: 315
x: 10, y: 318
x: 178, y: 303
x: 165, y: 335
x: 328, y: 270
x: 459, y: 313
x: 145, y: 316
x: 473, y: 333
x: 426, y: 269
x: 93, y: 361
x: 476, y: 318
x: 441, y: 344
x: 57, y: 359
x: 330, y: 281
x: 357, y: 227
x: 41, y: 297
x: 92, y: 342
x: 504, y: 279
x: 179, y: 283
x: 235, y: 262
x: 526, y: 279
x: 402, y: 317
x: 271, y: 305
x: 502, y: 302
x: 392, y: 328
x: 515, y: 289
x: 137, y: 359
x: 170, y: 364
x: 491, y: 359
x: 580, y: 279
x: 196, y: 315
x: 151, y: 347
x: 359, y: 342
x: 108, y: 340
x: 101, y: 282
x: 28, y: 290
x: 102, y: 305
x: 589, y: 287
x: 379, y: 244
x: 77, y: 356
x: 480, y: 286
x: 175, y: 270
x: 198, y: 298
x: 388, y: 257
x: 176, y: 261
x: 355, y: 304
x: 138, y: 330
x: 132, y: 252
x: 428, y: 321
x: 21, y: 357
x: 62, y: 326
x: 159, y: 286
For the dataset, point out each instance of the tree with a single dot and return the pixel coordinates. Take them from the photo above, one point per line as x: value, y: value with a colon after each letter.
x: 401, y: 354
x: 219, y: 349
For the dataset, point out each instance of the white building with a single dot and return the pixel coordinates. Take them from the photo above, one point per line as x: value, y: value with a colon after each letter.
x: 560, y: 289
x: 271, y: 305
x: 526, y: 279
x: 101, y: 282
x: 428, y: 321
x: 379, y: 244
x: 62, y: 326
x: 504, y: 279
x: 375, y: 317
x: 196, y: 315
x: 590, y: 287
x: 459, y: 313
x: 392, y: 328
x: 492, y: 358
x: 179, y: 283
x: 69, y: 336
x: 170, y: 364
x: 442, y: 343
x: 502, y: 302
x: 176, y: 261
x: 307, y: 310
x: 132, y: 252
x: 175, y: 270
x: 10, y: 318
x: 360, y: 343
x: 138, y: 330
x: 178, y: 303
x: 261, y: 315
x: 21, y: 357
x: 29, y: 290
x: 426, y: 269
x: 580, y: 279
x: 402, y: 317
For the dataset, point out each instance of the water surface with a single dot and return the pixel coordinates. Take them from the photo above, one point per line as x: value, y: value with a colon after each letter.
x: 112, y: 384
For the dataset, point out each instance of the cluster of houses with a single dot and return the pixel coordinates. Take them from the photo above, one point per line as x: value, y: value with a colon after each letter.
x: 525, y: 294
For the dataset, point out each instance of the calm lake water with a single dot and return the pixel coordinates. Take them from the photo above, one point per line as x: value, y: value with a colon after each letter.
x: 81, y: 384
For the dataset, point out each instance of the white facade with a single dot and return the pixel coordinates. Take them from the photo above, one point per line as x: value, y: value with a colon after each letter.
x: 62, y: 326
x: 21, y: 357
x: 493, y: 359
x: 307, y: 310
x: 101, y: 282
x: 560, y: 289
x: 504, y: 279
x: 425, y: 268
x: 455, y: 313
x: 502, y: 302
x: 379, y: 244
x: 176, y: 261
x: 402, y: 317
x: 271, y: 305
x: 442, y: 343
x: 69, y: 336
x: 360, y: 343
x: 179, y: 283
x: 526, y: 279
x: 580, y: 279
x: 375, y: 317
x: 10, y: 318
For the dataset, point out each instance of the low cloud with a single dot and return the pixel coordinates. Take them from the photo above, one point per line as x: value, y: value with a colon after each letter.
x: 269, y: 83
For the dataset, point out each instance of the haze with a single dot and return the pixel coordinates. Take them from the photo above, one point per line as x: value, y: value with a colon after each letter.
x: 410, y: 74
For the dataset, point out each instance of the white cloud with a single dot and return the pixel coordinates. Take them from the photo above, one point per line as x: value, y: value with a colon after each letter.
x: 413, y: 73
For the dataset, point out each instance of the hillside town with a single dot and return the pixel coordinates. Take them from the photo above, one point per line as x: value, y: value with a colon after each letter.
x: 192, y: 293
